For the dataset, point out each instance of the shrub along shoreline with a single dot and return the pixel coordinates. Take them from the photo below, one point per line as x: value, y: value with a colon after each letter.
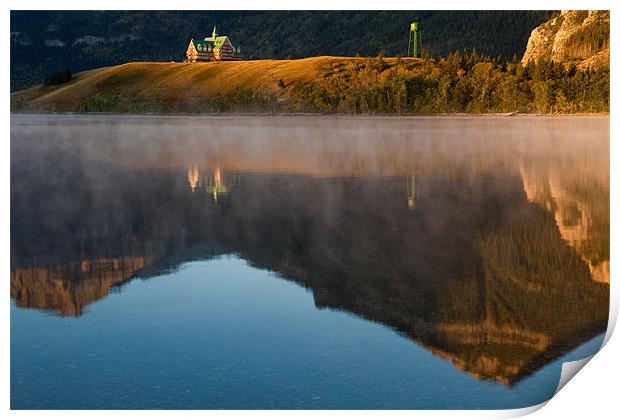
x: 459, y: 83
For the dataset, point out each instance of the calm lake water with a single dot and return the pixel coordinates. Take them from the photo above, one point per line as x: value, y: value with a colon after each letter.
x: 304, y: 262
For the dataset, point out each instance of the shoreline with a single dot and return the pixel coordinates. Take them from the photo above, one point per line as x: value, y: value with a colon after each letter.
x: 309, y: 114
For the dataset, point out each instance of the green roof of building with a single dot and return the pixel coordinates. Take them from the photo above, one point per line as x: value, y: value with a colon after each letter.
x: 214, y: 44
x: 214, y: 41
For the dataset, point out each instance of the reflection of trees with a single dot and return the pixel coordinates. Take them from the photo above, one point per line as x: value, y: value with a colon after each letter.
x: 473, y: 271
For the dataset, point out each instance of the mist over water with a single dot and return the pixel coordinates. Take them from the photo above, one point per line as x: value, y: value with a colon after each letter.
x: 304, y: 262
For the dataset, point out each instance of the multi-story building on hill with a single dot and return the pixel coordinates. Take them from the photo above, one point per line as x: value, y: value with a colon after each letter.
x: 213, y: 48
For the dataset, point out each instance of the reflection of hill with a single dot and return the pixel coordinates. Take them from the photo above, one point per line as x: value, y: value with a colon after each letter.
x: 474, y: 271
x: 489, y: 267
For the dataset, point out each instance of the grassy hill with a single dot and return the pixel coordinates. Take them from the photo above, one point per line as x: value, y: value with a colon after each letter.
x: 151, y: 85
x: 458, y: 83
x: 176, y: 81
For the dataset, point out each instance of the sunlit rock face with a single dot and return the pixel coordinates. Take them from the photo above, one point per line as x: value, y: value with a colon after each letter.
x: 578, y: 199
x: 576, y: 36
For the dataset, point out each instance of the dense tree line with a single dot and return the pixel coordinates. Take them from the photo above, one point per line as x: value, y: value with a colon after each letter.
x: 461, y: 82
x: 59, y: 77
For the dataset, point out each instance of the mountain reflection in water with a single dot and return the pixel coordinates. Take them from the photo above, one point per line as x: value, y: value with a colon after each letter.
x: 484, y: 240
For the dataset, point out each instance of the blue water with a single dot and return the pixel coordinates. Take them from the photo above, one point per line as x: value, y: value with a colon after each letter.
x: 256, y: 262
x: 222, y: 334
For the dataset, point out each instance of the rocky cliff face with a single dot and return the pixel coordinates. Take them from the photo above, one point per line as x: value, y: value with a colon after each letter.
x: 574, y: 36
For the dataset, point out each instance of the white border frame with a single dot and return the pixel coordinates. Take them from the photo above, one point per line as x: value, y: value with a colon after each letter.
x: 593, y: 394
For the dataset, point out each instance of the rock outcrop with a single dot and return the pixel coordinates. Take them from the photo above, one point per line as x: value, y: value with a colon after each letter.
x: 573, y: 36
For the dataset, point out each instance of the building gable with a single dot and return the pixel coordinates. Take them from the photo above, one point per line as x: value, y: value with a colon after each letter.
x: 191, y: 52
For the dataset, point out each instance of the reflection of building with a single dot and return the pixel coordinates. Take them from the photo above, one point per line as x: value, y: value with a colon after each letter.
x: 215, y: 185
x: 193, y: 176
x: 411, y: 191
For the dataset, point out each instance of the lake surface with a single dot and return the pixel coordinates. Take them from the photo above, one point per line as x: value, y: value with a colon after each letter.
x: 304, y: 262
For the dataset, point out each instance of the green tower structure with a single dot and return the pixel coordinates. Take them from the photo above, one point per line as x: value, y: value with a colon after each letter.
x: 414, y: 31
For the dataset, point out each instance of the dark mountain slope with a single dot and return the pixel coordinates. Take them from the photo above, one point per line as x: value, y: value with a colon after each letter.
x: 43, y: 41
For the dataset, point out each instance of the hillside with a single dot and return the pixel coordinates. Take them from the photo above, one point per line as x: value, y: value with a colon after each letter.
x: 575, y: 36
x: 459, y: 83
x: 44, y: 41
x: 150, y: 84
